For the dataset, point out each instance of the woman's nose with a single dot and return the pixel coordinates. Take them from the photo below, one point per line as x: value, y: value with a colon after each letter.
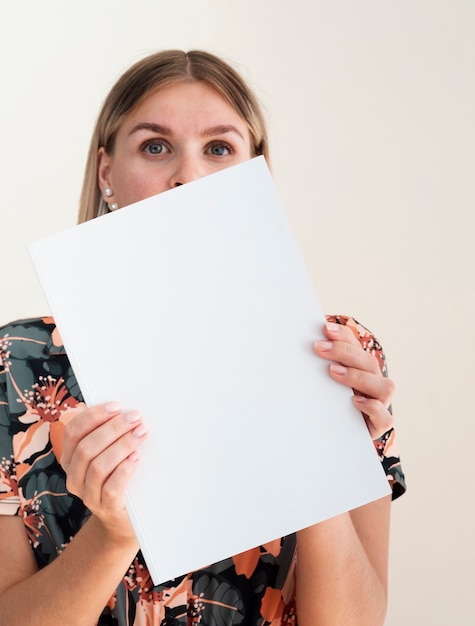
x: 187, y: 169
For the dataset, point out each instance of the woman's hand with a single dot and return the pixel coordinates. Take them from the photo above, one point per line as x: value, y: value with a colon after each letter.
x: 354, y: 367
x: 342, y: 562
x: 99, y: 457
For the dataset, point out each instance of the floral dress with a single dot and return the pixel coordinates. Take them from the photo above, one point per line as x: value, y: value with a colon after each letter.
x: 38, y: 396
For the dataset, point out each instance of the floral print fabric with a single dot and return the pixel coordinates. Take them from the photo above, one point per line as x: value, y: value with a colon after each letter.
x: 38, y: 396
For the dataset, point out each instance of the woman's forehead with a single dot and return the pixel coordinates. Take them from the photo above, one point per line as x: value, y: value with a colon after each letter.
x: 190, y: 102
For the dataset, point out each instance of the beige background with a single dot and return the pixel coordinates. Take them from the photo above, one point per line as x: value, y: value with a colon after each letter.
x: 370, y: 107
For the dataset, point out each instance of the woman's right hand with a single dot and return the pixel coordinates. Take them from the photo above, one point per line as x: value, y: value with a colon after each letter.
x: 99, y: 457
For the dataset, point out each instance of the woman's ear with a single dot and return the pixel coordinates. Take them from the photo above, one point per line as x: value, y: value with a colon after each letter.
x: 103, y: 169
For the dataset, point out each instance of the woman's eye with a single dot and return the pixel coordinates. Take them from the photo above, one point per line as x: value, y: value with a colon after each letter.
x: 155, y: 147
x: 220, y: 149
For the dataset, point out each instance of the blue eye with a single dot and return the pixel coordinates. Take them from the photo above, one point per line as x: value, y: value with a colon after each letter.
x: 155, y: 148
x: 220, y: 149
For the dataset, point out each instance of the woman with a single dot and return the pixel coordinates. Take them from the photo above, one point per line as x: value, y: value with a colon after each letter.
x: 74, y: 559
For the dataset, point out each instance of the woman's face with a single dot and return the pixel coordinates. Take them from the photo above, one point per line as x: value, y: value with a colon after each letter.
x: 178, y: 134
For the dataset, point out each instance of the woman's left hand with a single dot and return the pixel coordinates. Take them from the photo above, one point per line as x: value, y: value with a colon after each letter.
x: 354, y: 367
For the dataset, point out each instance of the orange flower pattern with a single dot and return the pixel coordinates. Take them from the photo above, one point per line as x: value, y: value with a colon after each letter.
x: 39, y: 394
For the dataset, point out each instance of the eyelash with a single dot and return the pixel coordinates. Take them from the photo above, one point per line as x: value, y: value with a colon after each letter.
x: 153, y: 142
x: 158, y: 142
x: 220, y: 144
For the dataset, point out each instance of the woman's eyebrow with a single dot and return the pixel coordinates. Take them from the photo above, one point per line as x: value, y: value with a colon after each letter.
x: 212, y: 131
x: 156, y: 128
x: 221, y: 129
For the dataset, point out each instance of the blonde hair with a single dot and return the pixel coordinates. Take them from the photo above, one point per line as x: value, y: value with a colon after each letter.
x: 154, y: 71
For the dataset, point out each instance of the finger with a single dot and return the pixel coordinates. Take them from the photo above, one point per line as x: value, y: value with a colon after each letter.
x: 101, y: 441
x: 113, y: 491
x: 339, y: 332
x: 88, y: 475
x: 107, y: 475
x: 108, y: 501
x: 83, y: 424
x: 365, y: 383
x: 105, y: 463
x: 378, y: 419
x: 92, y: 417
x: 357, y: 334
x: 349, y: 354
x: 95, y: 442
x: 82, y: 443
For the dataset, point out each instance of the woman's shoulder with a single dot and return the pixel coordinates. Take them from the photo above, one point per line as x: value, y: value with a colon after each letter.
x: 21, y: 324
x: 34, y: 336
x: 34, y: 366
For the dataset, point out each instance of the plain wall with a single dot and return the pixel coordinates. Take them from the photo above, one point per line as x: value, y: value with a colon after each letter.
x: 370, y: 106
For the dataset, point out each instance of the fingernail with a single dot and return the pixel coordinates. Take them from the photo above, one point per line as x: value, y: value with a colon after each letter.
x: 140, y: 430
x: 336, y: 368
x: 332, y: 327
x: 133, y: 416
x: 324, y: 346
x: 112, y: 408
x: 359, y: 399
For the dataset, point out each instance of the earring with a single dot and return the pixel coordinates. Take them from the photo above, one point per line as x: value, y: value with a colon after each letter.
x: 113, y: 206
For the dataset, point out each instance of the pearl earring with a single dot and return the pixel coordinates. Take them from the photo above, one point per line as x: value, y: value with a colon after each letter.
x: 113, y: 206
x: 108, y: 192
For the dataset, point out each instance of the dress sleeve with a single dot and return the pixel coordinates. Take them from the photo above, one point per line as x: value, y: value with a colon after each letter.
x: 386, y: 446
x: 9, y: 499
